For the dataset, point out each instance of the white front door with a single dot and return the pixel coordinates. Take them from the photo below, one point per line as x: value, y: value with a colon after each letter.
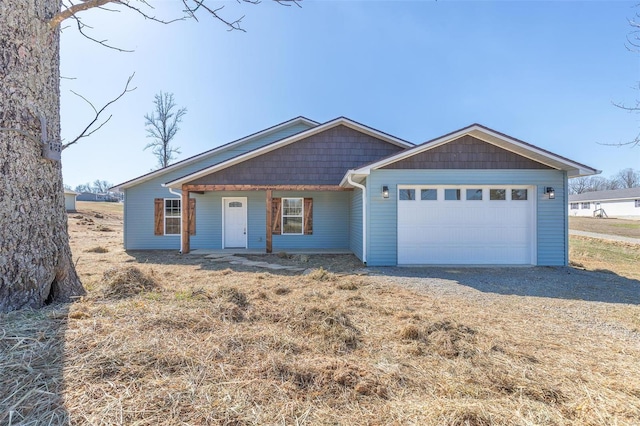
x: 234, y: 222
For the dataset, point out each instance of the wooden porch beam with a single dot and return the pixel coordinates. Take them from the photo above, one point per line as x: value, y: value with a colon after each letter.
x: 200, y: 188
x: 186, y: 244
x: 269, y: 221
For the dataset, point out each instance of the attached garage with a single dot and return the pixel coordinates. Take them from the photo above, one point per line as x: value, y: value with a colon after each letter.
x: 472, y: 197
x: 466, y: 224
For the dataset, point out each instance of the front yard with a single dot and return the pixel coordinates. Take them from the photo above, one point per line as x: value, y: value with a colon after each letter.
x: 169, y: 339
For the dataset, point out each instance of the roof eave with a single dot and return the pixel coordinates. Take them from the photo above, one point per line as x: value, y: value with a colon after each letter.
x: 197, y: 157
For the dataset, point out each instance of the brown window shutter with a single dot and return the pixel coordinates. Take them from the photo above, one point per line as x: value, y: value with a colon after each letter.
x: 158, y: 216
x: 308, y: 216
x: 276, y: 216
x: 192, y: 216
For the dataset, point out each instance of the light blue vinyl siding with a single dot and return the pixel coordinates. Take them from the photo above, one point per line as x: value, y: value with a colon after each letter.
x: 330, y: 222
x: 209, y: 219
x: 139, y: 207
x: 551, y: 225
x: 355, y: 240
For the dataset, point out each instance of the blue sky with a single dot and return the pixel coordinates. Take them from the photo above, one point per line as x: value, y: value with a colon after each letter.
x: 543, y: 72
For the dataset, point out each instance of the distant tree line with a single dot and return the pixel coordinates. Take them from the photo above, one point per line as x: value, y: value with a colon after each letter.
x: 627, y: 178
x: 98, y: 187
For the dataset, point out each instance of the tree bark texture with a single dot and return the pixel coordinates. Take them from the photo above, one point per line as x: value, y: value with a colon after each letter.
x: 36, y: 266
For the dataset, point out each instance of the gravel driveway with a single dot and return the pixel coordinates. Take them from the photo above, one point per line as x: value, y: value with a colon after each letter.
x: 580, y: 300
x: 553, y: 282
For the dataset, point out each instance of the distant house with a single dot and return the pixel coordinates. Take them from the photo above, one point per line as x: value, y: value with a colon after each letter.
x: 90, y: 196
x: 615, y: 203
x: 473, y: 196
x: 112, y: 197
x: 70, y: 200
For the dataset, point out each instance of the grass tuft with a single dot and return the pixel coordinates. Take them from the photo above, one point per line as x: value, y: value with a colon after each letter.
x: 97, y: 249
x: 233, y: 295
x: 320, y: 274
x: 126, y: 281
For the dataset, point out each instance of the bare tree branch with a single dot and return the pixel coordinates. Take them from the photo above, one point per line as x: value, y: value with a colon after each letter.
x: 75, y: 8
x: 232, y: 25
x: 88, y: 130
x: 146, y: 15
x: 190, y: 9
x: 81, y: 27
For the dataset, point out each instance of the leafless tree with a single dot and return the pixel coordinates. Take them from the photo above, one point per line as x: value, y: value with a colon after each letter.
x: 101, y: 186
x: 629, y: 178
x: 162, y: 126
x: 579, y: 185
x: 36, y: 265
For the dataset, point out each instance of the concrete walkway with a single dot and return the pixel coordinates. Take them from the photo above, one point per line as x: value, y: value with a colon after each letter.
x: 239, y: 260
x: 604, y: 236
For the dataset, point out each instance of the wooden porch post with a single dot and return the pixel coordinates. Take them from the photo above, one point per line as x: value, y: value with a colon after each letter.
x: 185, y: 221
x: 269, y: 221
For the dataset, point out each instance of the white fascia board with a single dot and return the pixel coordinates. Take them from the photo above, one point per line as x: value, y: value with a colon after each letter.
x: 212, y: 151
x: 177, y: 183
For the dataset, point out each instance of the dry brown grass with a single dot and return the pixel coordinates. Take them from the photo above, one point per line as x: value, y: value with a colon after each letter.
x: 195, y: 342
x: 621, y: 227
x: 595, y: 254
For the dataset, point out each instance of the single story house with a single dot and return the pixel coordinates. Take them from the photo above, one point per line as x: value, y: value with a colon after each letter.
x: 70, y: 200
x: 473, y: 196
x: 110, y: 197
x: 614, y: 202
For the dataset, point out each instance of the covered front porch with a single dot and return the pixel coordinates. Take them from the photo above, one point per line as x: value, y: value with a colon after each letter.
x: 324, y: 221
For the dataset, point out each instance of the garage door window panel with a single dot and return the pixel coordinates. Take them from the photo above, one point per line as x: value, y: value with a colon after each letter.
x: 429, y: 194
x: 497, y: 194
x: 407, y: 194
x: 452, y: 194
x: 519, y: 194
x: 474, y: 194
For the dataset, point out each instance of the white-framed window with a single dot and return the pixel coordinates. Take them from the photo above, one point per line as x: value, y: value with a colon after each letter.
x: 637, y: 203
x: 586, y: 205
x: 575, y: 206
x: 172, y: 216
x: 292, y: 216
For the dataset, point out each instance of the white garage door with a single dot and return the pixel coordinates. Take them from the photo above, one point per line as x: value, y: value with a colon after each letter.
x: 473, y: 225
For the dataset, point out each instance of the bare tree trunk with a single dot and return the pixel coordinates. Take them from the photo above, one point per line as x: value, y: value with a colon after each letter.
x: 35, y: 259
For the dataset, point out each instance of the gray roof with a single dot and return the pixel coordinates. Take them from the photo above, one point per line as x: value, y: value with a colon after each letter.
x: 610, y: 194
